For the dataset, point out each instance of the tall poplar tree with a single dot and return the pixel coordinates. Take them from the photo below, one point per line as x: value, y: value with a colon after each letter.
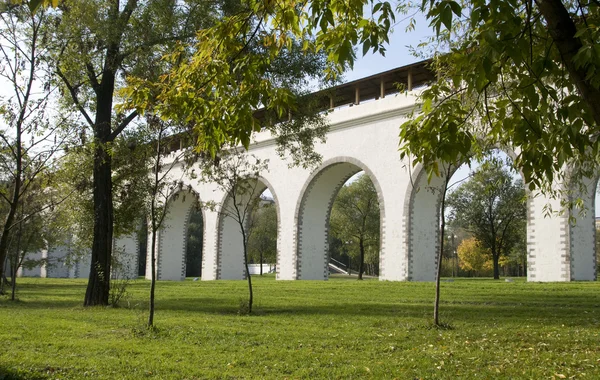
x: 97, y: 45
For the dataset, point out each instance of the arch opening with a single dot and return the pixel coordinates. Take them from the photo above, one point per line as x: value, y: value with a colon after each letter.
x: 487, y: 217
x: 256, y: 206
x: 262, y: 243
x: 313, y: 213
x: 172, y: 239
x: 354, y: 231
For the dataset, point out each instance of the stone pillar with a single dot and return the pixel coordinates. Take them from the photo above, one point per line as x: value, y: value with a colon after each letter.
x: 582, y: 234
x: 547, y: 241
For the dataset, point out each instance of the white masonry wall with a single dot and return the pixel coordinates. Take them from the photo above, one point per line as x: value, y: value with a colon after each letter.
x: 582, y: 234
x: 362, y: 137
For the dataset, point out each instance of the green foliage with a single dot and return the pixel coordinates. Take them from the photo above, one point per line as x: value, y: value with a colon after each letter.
x: 305, y: 329
x: 130, y: 158
x: 491, y: 206
x: 262, y: 245
x: 519, y: 75
x: 240, y: 64
x: 355, y: 219
x: 236, y: 175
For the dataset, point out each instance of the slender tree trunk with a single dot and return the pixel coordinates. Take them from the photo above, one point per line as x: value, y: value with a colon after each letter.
x: 152, y: 276
x: 436, y: 306
x: 261, y: 263
x: 4, y: 241
x: 361, y: 264
x: 248, y: 276
x: 14, y: 283
x: 15, y: 267
x: 10, y: 217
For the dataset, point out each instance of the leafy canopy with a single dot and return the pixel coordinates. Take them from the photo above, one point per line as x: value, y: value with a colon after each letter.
x: 217, y: 85
x: 522, y: 75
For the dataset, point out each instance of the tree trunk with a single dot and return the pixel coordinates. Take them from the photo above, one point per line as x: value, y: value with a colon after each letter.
x: 152, y: 277
x: 14, y: 282
x: 495, y: 259
x: 10, y: 217
x: 436, y: 305
x: 4, y: 244
x: 17, y: 261
x: 99, y: 281
x: 361, y: 264
x: 562, y: 29
x: 248, y: 276
x: 261, y: 262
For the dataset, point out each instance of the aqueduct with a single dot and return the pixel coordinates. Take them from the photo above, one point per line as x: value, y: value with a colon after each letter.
x: 363, y: 136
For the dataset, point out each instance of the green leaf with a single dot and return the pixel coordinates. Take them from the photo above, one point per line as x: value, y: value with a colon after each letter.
x: 446, y: 17
x: 35, y: 4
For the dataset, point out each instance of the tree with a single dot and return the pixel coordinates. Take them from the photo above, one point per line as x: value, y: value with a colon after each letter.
x: 262, y: 245
x: 103, y: 46
x: 235, y: 174
x: 355, y: 218
x: 448, y: 169
x: 97, y: 45
x: 236, y: 68
x: 29, y: 138
x: 161, y: 188
x: 473, y: 256
x: 491, y: 206
x: 40, y: 226
x: 521, y: 75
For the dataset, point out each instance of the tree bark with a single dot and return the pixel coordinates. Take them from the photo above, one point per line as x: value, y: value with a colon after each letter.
x: 15, y: 199
x: 495, y: 259
x: 436, y: 305
x: 562, y: 29
x: 99, y: 281
x: 152, y: 276
x: 248, y: 276
x: 361, y: 264
x: 5, y: 234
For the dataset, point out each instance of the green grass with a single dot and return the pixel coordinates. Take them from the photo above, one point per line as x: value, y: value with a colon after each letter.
x: 304, y: 329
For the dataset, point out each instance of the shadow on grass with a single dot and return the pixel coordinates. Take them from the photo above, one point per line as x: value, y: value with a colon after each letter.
x: 12, y: 374
x: 535, y: 303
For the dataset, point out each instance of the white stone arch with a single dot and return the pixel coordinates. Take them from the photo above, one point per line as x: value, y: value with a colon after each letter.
x: 172, y: 236
x: 422, y: 222
x: 422, y: 216
x: 230, y: 251
x: 312, y: 214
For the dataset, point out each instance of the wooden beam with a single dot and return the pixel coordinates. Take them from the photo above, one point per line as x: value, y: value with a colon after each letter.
x: 356, y: 96
x: 410, y: 80
x: 381, y: 88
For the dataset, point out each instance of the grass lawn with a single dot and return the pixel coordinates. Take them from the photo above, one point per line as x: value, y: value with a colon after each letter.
x: 304, y: 329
